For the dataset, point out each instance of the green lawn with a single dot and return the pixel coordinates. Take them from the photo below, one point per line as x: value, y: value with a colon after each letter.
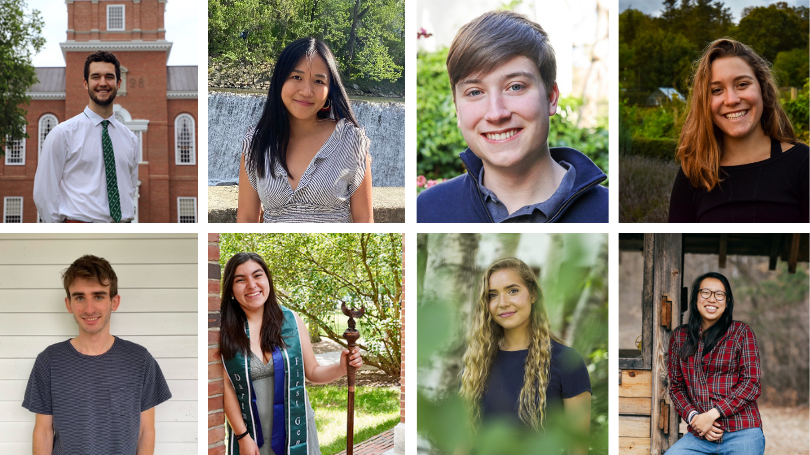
x: 376, y: 409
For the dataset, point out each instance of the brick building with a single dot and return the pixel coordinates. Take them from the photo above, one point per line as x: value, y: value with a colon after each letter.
x: 157, y: 102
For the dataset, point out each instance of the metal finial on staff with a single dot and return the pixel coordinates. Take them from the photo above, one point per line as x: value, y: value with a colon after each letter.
x: 351, y: 335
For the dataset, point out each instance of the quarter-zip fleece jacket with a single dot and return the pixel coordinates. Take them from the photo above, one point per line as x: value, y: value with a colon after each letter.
x: 459, y: 200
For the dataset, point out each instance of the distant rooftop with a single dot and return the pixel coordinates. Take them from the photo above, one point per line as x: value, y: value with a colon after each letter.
x: 51, y: 80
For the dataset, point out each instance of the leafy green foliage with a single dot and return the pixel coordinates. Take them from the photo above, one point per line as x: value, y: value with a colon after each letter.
x: 774, y: 28
x: 376, y: 409
x: 439, y: 140
x: 20, y: 39
x: 791, y: 67
x: 797, y: 111
x: 314, y: 273
x: 366, y: 36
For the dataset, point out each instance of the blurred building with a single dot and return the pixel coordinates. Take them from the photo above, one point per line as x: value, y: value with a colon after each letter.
x: 157, y: 102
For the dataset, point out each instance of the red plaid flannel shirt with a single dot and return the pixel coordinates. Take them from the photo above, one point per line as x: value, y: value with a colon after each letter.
x: 727, y: 378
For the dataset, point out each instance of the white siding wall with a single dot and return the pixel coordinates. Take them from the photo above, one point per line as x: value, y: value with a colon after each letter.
x: 157, y: 281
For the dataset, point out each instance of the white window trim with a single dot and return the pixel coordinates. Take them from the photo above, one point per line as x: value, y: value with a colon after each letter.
x: 193, y: 154
x: 5, y: 207
x: 123, y: 18
x: 22, y: 152
x: 196, y: 220
x: 40, y: 139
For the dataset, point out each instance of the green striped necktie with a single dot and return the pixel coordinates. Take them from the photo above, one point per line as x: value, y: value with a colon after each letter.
x: 109, y: 168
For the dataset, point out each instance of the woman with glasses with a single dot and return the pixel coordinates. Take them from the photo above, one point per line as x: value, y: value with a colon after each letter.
x: 714, y: 375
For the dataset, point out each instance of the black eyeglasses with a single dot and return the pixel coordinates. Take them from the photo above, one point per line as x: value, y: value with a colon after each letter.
x: 718, y: 295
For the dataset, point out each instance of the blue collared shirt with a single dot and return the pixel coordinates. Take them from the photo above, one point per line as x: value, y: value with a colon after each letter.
x: 535, y: 213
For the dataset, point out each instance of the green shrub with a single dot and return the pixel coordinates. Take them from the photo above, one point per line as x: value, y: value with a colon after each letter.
x: 662, y: 149
x: 439, y: 140
x: 797, y: 111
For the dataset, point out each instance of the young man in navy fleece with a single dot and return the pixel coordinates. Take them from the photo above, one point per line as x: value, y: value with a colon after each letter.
x: 503, y: 76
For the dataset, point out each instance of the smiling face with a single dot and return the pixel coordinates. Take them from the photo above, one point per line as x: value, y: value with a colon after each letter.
x: 91, y: 305
x: 101, y: 84
x: 736, y: 98
x: 305, y: 91
x: 710, y: 309
x: 251, y: 286
x: 504, y: 115
x: 510, y: 301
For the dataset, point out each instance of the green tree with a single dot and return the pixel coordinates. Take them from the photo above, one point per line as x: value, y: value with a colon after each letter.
x: 314, y: 273
x: 20, y: 39
x: 773, y: 29
x: 791, y: 67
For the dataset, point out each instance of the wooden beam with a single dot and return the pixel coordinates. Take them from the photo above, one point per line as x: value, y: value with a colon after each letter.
x: 667, y: 281
x: 634, y: 406
x: 634, y: 426
x: 634, y: 446
x: 636, y: 384
x: 773, y: 255
x: 794, y: 253
x: 721, y: 260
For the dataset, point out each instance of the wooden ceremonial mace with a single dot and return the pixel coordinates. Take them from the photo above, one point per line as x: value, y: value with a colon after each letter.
x: 351, y: 335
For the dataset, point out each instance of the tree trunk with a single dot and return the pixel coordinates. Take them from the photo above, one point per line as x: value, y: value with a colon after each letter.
x: 451, y: 280
x: 353, y: 32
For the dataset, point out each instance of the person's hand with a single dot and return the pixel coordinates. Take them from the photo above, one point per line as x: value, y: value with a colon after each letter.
x: 247, y: 446
x: 715, y: 432
x: 703, y: 423
x: 354, y: 359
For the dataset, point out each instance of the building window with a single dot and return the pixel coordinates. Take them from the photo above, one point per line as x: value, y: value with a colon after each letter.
x: 15, y: 151
x: 12, y: 209
x: 184, y: 152
x: 115, y: 17
x: 46, y: 123
x: 187, y: 210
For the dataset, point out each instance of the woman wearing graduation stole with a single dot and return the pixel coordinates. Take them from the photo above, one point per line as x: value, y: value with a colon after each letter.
x: 267, y: 354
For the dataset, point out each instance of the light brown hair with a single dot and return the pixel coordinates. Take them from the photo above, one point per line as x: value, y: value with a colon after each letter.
x: 700, y: 145
x: 493, y: 39
x: 483, y: 343
x: 91, y: 267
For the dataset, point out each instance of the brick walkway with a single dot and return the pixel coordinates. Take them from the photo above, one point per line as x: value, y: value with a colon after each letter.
x: 377, y: 445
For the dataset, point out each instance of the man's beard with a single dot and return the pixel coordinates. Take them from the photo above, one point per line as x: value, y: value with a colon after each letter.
x: 110, y: 98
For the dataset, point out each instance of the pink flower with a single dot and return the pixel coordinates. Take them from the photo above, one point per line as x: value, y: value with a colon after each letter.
x: 420, y: 181
x: 430, y: 183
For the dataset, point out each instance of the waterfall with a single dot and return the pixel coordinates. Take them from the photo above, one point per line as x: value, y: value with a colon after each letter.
x: 231, y: 114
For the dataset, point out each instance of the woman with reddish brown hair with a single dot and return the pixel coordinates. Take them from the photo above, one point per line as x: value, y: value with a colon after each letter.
x: 740, y: 159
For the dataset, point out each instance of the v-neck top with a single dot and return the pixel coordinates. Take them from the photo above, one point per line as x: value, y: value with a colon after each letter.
x: 774, y: 190
x: 326, y: 186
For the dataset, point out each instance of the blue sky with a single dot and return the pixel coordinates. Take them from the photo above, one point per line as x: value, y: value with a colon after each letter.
x: 181, y: 22
x: 653, y: 7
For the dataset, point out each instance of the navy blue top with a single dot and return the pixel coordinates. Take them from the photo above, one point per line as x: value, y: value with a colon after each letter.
x: 567, y: 377
x: 460, y: 200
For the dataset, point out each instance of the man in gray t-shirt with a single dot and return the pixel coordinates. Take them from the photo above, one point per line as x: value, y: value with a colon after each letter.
x: 96, y: 393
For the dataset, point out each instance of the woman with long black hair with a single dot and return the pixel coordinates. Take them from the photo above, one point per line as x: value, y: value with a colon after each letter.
x: 267, y: 354
x: 307, y: 158
x: 714, y: 375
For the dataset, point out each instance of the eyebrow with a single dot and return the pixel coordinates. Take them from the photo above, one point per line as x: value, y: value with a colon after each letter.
x: 81, y: 294
x: 744, y: 76
x: 318, y: 75
x: 251, y: 273
x: 477, y: 80
x: 507, y: 287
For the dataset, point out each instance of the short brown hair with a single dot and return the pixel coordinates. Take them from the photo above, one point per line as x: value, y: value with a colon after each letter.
x: 493, y: 39
x: 104, y: 57
x: 91, y: 268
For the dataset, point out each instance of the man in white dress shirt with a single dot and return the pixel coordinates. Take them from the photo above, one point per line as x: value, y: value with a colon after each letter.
x: 88, y: 169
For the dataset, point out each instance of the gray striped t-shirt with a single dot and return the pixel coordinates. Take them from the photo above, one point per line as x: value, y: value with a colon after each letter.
x: 96, y: 401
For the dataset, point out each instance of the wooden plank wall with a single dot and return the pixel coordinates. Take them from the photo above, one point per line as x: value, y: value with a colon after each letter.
x: 635, y: 402
x: 157, y: 281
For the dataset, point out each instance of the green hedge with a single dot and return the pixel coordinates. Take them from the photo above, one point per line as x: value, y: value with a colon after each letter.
x: 662, y: 149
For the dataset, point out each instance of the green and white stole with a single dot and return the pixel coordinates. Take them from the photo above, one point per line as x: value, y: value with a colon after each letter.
x: 289, y: 407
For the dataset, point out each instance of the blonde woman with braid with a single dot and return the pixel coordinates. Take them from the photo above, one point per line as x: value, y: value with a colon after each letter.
x: 515, y: 369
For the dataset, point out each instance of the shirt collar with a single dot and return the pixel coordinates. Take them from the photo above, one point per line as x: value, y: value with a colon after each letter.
x: 97, y: 119
x: 547, y: 207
